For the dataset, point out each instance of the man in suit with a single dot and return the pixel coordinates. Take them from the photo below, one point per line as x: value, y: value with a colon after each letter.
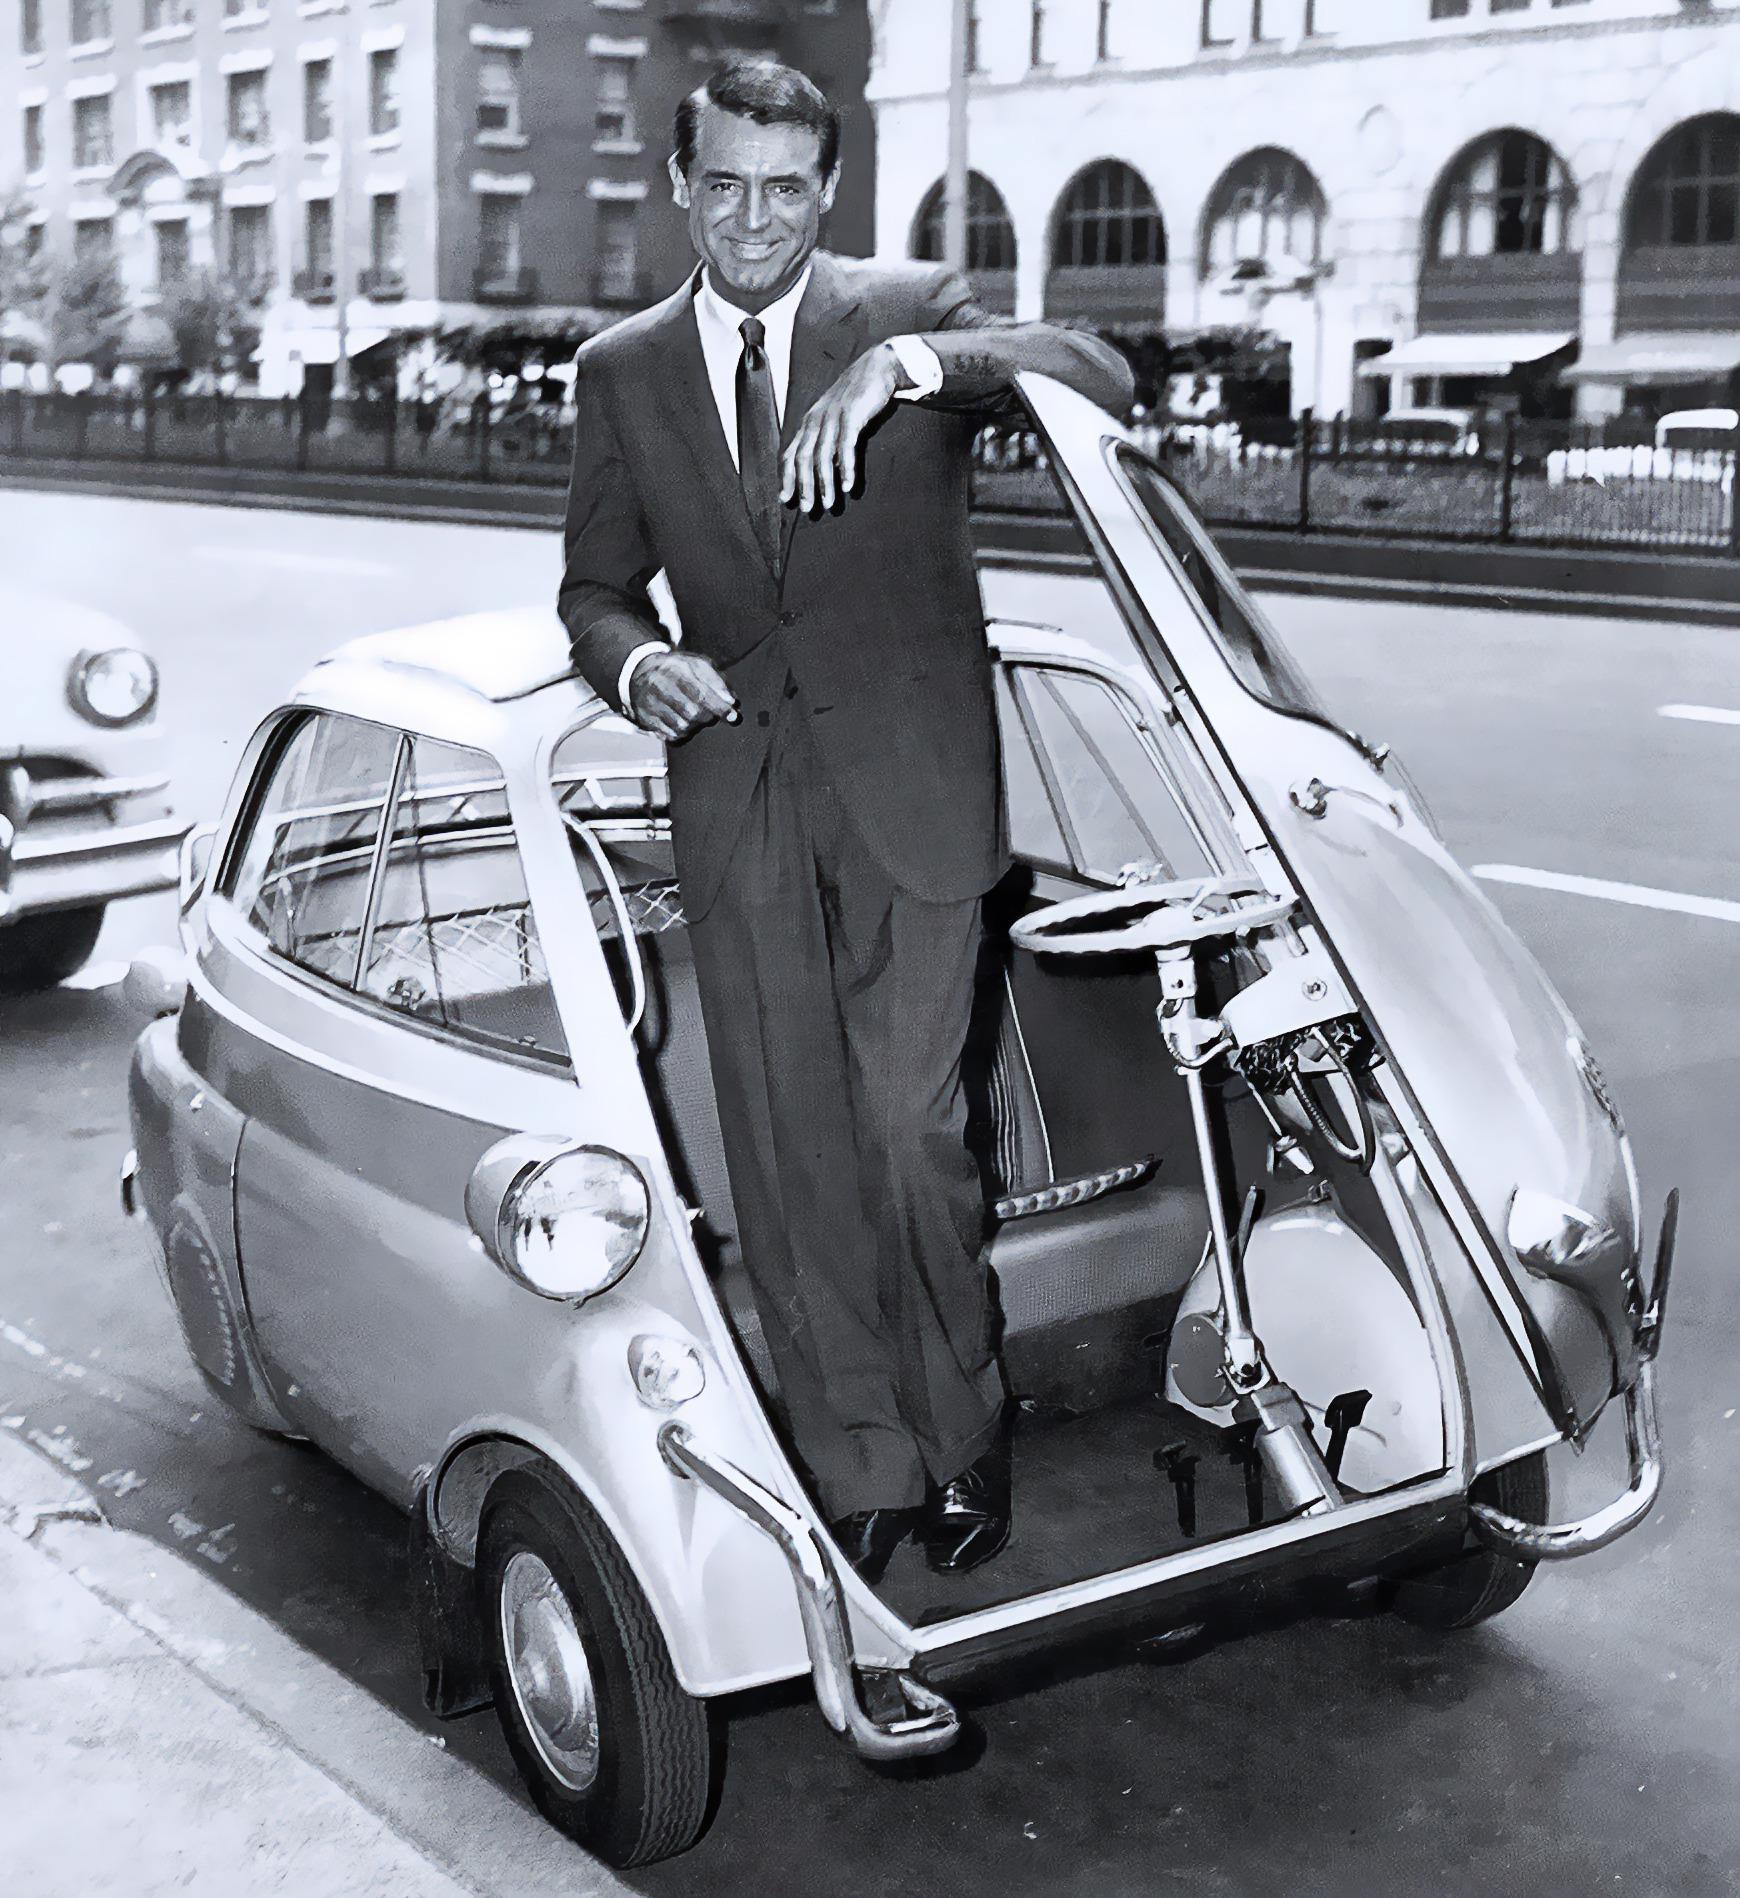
x: 787, y: 438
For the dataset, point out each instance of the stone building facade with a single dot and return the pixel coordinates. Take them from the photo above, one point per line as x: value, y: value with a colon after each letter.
x: 1531, y: 203
x: 361, y: 169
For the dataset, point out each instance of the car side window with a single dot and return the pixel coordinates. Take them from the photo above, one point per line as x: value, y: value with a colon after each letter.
x: 300, y: 878
x: 453, y: 942
x: 1107, y: 797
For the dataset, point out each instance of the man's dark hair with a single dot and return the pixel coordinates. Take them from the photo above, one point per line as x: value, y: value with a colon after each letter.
x: 766, y: 93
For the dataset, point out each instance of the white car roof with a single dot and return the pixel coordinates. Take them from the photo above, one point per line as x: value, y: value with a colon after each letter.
x: 500, y: 655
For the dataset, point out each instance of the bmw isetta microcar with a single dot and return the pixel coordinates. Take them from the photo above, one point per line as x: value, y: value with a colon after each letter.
x: 1313, y: 1221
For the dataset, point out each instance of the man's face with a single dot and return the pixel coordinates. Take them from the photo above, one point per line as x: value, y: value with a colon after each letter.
x: 755, y: 196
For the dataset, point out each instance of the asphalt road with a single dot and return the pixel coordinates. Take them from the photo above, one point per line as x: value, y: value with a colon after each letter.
x: 1589, y: 1741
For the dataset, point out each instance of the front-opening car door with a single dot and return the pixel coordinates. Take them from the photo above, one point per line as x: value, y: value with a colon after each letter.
x: 394, y: 1018
x: 1482, y: 1060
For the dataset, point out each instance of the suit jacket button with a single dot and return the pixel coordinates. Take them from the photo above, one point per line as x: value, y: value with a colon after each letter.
x: 788, y: 619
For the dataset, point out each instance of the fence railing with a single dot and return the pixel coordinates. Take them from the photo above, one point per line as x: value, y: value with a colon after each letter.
x: 1534, y: 483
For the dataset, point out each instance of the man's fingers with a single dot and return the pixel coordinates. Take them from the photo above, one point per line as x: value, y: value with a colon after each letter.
x: 827, y: 446
x: 846, y: 452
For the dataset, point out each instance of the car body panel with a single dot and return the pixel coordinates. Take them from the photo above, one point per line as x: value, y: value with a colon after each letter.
x: 1494, y: 1080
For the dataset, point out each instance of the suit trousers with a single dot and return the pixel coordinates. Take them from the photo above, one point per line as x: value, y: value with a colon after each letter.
x: 837, y: 1008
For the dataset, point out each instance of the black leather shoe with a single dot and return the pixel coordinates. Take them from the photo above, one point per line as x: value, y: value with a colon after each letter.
x: 966, y: 1522
x: 868, y: 1538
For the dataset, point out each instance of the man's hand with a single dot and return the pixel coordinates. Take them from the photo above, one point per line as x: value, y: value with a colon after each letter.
x: 822, y: 461
x: 675, y: 693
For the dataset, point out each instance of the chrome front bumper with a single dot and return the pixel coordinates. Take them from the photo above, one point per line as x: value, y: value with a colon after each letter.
x: 1558, y: 1542
x: 927, y: 1723
x: 48, y: 864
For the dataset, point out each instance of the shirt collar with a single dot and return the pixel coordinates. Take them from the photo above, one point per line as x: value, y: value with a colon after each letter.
x: 777, y: 319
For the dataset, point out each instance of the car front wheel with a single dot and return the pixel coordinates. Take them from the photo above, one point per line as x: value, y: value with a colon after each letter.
x: 1481, y: 1582
x: 45, y: 947
x: 613, y: 1750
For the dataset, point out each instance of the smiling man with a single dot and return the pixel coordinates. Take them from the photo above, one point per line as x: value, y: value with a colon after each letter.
x: 787, y: 438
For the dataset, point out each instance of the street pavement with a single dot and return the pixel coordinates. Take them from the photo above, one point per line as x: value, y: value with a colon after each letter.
x: 1588, y: 1741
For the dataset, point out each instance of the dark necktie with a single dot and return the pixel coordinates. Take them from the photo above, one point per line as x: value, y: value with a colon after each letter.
x: 758, y: 440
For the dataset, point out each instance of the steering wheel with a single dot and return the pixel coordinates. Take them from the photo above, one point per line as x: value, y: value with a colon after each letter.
x: 1152, y: 916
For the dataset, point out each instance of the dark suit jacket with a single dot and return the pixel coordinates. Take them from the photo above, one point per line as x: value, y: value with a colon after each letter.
x: 876, y: 615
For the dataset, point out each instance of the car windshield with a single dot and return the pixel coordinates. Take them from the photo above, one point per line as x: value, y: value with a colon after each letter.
x: 1262, y: 664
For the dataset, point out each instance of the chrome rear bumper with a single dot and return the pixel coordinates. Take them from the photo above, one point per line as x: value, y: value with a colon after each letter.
x: 1557, y: 1542
x: 929, y: 1724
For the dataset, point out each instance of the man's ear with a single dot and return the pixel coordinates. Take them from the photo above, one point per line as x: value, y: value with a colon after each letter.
x: 830, y: 184
x: 679, y: 184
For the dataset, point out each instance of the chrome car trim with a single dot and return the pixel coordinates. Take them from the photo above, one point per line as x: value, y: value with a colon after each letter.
x: 932, y: 1726
x: 1558, y: 1542
x: 54, y: 796
x: 99, y: 843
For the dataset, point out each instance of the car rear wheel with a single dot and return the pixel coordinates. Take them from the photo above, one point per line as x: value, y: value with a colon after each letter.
x: 614, y: 1752
x: 41, y: 949
x: 1480, y: 1583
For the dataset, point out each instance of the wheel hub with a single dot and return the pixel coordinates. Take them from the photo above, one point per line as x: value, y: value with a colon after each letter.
x: 548, y: 1669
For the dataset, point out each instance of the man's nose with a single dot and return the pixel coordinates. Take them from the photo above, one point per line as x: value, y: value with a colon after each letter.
x: 756, y: 214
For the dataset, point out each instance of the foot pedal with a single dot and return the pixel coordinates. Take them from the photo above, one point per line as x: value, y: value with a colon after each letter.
x: 1179, y: 1464
x: 1341, y: 1419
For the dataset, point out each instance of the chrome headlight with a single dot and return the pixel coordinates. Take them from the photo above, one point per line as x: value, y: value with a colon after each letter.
x: 1550, y: 1236
x: 566, y: 1221
x: 114, y: 687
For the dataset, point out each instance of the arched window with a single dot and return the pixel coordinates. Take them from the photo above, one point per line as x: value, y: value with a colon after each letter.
x: 1267, y: 205
x: 1108, y: 219
x: 990, y: 235
x: 1688, y: 188
x: 1506, y: 195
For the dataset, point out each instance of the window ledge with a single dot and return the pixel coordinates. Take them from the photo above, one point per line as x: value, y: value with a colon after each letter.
x: 33, y: 179
x: 90, y: 49
x: 619, y: 147
x: 236, y: 156
x: 307, y: 8
x: 384, y: 141
x: 90, y: 174
x: 161, y: 35
x: 258, y: 17
x: 319, y: 147
x: 504, y: 141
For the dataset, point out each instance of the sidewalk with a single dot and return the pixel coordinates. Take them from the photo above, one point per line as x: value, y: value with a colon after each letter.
x: 156, y: 1736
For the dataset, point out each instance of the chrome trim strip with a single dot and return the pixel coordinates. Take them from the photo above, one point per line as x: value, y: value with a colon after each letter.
x: 1559, y: 1542
x: 55, y: 795
x: 86, y: 844
x: 932, y: 1727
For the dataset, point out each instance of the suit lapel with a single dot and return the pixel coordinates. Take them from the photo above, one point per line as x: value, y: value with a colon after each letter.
x: 686, y: 398
x: 825, y: 338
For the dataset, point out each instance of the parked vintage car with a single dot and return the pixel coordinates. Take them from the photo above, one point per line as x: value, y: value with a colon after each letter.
x: 1301, y: 1280
x: 85, y: 813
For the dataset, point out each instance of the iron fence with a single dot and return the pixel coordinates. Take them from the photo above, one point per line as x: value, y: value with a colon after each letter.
x: 1531, y: 483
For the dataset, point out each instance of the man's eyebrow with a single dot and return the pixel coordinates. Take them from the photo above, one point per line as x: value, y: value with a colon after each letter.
x: 717, y: 174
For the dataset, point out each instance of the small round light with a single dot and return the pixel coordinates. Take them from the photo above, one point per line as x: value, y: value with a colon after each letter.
x: 574, y: 1224
x: 667, y: 1372
x: 116, y: 687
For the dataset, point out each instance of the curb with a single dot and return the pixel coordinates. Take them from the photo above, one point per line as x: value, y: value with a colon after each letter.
x: 471, y: 1833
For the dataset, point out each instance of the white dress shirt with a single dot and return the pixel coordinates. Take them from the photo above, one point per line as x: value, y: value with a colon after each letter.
x: 721, y: 328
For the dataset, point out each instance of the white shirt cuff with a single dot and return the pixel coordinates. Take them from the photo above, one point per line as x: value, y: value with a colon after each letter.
x: 920, y: 362
x: 626, y: 676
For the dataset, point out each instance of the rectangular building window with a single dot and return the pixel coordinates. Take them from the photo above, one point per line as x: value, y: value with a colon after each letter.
x: 1449, y: 9
x: 94, y: 240
x: 974, y: 64
x: 174, y: 257
x: 1259, y: 25
x: 1036, y: 34
x: 316, y: 101
x: 384, y: 249
x: 30, y: 27
x: 172, y: 113
x: 498, y: 90
x: 90, y: 21
x: 1314, y: 18
x: 383, y: 92
x: 166, y: 13
x: 1103, y: 31
x: 1217, y: 23
x: 250, y: 245
x: 35, y: 153
x: 93, y: 134
x: 498, y: 248
x: 613, y: 111
x: 317, y: 237
x: 234, y: 7
x: 1509, y: 6
x: 248, y: 120
x: 618, y: 241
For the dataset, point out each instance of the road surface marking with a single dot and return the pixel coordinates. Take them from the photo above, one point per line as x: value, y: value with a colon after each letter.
x: 286, y: 557
x: 1722, y: 909
x: 1702, y: 714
